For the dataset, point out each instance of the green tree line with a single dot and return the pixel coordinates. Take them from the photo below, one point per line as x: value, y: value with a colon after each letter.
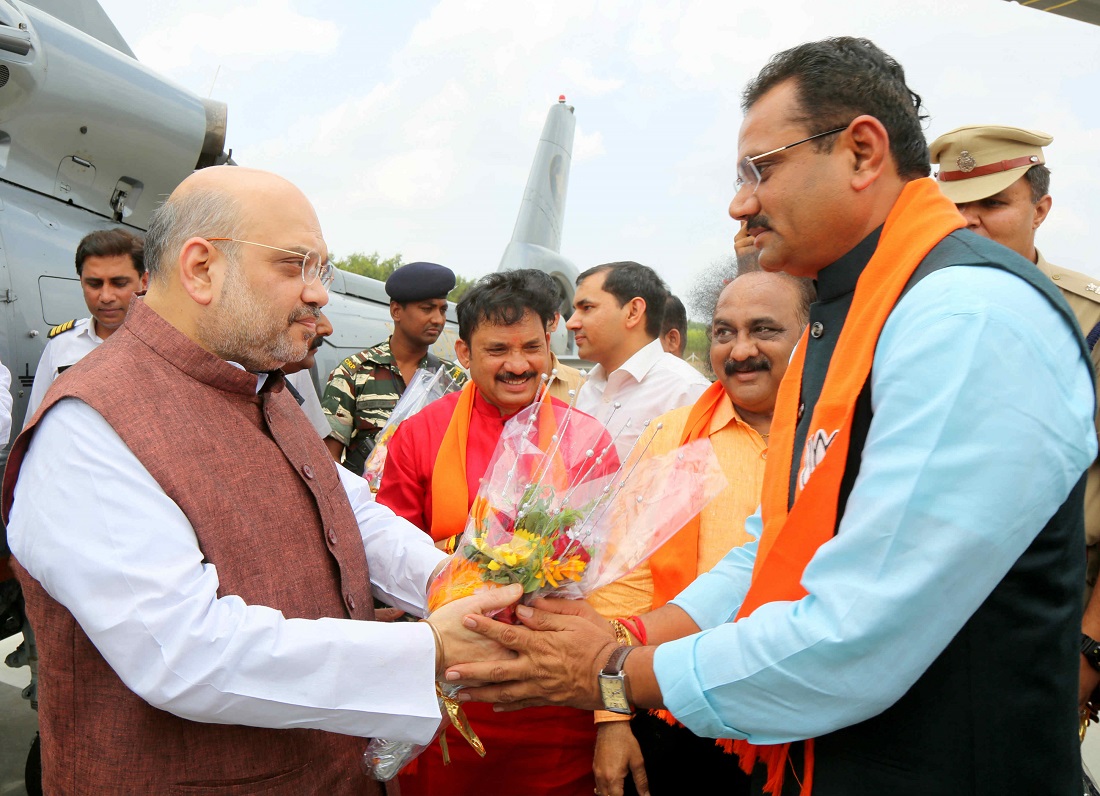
x: 375, y: 267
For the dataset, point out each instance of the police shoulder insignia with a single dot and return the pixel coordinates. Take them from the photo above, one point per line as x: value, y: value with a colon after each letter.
x: 63, y: 327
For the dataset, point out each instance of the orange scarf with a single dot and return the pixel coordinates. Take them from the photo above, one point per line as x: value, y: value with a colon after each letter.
x: 919, y: 220
x: 675, y: 563
x: 450, y: 491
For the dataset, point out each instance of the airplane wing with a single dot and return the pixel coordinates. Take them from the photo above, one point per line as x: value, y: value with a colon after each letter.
x: 1082, y: 10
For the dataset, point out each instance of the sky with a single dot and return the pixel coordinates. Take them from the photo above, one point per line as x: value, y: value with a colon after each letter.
x: 411, y: 125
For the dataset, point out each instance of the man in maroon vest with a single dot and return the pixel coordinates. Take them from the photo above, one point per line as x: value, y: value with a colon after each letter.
x: 196, y: 565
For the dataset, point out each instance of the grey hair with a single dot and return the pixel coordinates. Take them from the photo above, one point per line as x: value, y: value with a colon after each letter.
x: 203, y: 214
x: 1038, y: 180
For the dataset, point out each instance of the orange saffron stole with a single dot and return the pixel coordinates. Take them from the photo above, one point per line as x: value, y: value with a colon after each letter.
x: 919, y: 220
x: 450, y: 491
x: 673, y: 565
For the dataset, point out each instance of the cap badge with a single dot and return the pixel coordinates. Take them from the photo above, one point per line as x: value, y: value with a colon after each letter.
x: 966, y: 161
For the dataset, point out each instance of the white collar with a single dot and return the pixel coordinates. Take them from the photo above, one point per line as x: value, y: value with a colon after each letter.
x: 640, y: 362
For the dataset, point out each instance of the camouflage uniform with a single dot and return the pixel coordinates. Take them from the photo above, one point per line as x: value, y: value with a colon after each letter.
x: 360, y: 395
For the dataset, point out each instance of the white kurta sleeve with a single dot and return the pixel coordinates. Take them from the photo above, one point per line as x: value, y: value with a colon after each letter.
x: 106, y: 542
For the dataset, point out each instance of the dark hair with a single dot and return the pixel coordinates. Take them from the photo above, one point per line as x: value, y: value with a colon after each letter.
x: 841, y: 78
x: 111, y: 243
x: 675, y: 317
x: 629, y: 280
x: 1038, y: 178
x: 542, y: 282
x: 503, y: 298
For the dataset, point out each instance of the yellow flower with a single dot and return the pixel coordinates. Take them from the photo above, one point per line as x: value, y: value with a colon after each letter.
x: 479, y: 511
x: 555, y: 571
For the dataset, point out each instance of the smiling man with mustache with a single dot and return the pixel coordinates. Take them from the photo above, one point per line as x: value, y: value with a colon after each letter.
x: 436, y: 460
x: 756, y: 323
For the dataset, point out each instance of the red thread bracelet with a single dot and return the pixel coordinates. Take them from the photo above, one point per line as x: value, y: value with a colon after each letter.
x: 635, y: 625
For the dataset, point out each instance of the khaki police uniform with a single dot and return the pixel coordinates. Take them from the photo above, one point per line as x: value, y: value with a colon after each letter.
x: 978, y: 161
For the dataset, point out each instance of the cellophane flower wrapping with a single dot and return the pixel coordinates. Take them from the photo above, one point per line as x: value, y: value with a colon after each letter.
x: 425, y: 387
x: 559, y: 513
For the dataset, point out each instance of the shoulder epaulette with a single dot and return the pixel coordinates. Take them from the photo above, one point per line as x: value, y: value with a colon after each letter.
x: 63, y: 327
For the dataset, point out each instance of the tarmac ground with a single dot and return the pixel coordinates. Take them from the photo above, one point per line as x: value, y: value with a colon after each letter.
x: 18, y: 722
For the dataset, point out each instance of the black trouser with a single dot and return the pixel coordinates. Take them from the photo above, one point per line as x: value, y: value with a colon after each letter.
x: 675, y: 757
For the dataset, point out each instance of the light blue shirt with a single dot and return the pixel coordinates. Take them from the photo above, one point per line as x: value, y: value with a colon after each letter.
x: 983, y: 423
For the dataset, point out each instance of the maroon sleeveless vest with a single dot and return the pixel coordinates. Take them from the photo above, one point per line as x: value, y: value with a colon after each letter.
x: 267, y: 507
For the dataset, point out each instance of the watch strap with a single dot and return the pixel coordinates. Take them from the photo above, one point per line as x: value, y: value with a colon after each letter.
x: 615, y: 663
x: 1090, y: 648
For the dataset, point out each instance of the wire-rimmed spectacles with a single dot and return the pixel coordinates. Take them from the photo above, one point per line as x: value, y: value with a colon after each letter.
x: 312, y: 267
x: 749, y: 174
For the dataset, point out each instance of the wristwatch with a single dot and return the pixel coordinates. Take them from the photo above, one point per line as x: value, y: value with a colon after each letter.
x: 1090, y: 648
x: 613, y: 682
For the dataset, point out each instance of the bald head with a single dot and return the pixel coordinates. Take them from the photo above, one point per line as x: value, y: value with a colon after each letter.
x: 756, y: 324
x: 225, y: 256
x: 216, y: 202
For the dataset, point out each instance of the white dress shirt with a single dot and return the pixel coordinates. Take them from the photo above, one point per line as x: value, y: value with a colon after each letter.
x: 62, y: 351
x: 104, y: 540
x: 311, y: 403
x: 648, y: 384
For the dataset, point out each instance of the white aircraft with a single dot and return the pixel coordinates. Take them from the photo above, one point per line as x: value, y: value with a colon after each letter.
x: 92, y: 139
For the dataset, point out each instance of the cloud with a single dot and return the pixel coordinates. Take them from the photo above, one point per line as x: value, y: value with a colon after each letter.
x: 416, y: 178
x: 260, y: 31
x: 587, y: 146
x: 416, y: 123
x: 579, y: 73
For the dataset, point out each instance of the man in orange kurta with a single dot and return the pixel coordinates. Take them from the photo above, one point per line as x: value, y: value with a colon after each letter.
x: 757, y: 321
x: 436, y: 460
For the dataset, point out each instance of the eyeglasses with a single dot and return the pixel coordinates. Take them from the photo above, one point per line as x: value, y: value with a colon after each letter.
x: 312, y: 267
x: 748, y: 174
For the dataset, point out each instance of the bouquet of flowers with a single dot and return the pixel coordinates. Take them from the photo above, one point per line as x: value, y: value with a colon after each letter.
x: 559, y: 513
x: 424, y: 388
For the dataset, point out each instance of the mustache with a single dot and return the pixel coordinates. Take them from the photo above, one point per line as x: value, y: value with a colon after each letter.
x: 746, y: 366
x: 315, y: 343
x: 760, y: 221
x: 305, y: 312
x: 506, y: 375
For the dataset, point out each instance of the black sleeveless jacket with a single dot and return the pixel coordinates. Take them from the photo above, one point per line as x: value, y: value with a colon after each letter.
x: 996, y: 713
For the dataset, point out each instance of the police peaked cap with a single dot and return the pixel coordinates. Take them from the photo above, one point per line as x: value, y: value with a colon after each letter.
x: 420, y: 281
x: 983, y: 159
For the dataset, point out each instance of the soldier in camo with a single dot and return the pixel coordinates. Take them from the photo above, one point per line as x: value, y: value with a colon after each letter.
x: 362, y: 391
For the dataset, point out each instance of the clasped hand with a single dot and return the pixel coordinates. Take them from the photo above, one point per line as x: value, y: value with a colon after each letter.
x: 554, y: 657
x: 460, y: 644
